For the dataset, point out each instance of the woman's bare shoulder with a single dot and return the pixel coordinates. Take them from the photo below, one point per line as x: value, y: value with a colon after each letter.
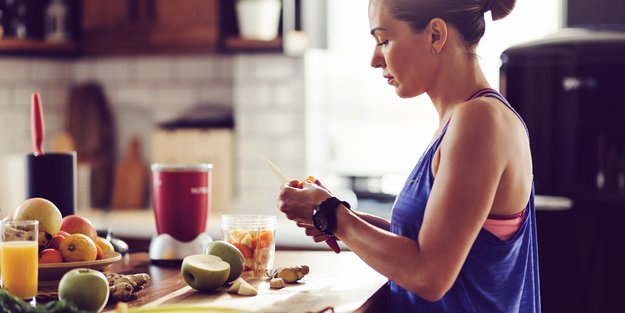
x: 486, y: 117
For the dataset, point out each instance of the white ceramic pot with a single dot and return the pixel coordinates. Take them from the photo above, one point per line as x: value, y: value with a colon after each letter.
x: 258, y: 19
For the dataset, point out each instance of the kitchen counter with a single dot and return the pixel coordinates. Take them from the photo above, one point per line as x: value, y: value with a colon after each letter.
x: 140, y: 224
x: 340, y: 281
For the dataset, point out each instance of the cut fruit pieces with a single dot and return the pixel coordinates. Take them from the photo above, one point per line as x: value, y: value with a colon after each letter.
x: 246, y: 289
x: 235, y: 285
x: 242, y: 287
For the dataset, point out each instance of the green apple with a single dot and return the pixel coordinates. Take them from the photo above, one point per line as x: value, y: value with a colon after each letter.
x: 228, y: 253
x: 88, y: 289
x: 204, y: 272
x: 42, y: 210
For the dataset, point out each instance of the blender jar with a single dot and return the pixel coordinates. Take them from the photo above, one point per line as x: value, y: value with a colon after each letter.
x: 255, y: 237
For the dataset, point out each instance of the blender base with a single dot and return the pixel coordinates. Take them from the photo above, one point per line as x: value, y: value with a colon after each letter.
x: 165, y: 248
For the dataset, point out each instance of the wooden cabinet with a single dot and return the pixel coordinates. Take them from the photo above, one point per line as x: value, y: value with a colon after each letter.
x: 149, y: 26
x: 14, y: 46
x: 23, y: 28
x: 143, y: 27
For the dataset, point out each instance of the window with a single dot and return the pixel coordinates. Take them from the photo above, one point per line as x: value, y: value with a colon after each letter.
x: 356, y: 124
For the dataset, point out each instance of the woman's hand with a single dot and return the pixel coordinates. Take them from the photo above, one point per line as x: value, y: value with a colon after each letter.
x: 298, y: 203
x: 311, y: 231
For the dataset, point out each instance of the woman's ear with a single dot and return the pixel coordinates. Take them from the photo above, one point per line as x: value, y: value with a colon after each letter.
x: 438, y: 29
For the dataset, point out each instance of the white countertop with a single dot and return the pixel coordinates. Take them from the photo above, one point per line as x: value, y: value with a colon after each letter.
x: 140, y: 223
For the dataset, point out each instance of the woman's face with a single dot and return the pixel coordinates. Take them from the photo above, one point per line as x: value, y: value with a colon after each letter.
x: 404, y: 56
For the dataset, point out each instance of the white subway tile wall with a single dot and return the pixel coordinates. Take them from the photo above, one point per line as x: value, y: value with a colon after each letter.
x: 260, y: 85
x: 266, y: 90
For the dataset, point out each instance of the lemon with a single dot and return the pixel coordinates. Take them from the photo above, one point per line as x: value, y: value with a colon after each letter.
x: 78, y: 247
x: 104, y: 244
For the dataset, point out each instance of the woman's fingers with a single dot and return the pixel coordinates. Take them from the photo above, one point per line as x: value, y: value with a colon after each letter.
x: 304, y: 224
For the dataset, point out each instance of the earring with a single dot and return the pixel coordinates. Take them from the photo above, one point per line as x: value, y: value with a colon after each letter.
x: 433, y: 50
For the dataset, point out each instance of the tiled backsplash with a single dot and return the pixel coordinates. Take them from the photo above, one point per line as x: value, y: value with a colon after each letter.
x: 266, y: 90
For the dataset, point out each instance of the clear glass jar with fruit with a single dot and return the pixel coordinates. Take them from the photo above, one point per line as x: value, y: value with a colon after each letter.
x: 255, y: 237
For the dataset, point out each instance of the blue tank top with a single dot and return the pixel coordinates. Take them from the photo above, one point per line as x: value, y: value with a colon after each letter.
x: 497, y: 276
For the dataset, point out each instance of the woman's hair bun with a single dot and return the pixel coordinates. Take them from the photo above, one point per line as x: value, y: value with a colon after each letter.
x: 499, y: 8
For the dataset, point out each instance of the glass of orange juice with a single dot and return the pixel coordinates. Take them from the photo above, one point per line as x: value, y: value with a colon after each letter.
x: 19, y: 257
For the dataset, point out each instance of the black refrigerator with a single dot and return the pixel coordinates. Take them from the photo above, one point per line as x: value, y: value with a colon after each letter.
x: 570, y: 90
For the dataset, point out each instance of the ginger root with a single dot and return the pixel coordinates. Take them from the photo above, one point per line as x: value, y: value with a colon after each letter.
x: 290, y: 274
x: 276, y: 283
x: 122, y: 287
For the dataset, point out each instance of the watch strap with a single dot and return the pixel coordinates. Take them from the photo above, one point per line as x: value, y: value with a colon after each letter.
x: 328, y: 209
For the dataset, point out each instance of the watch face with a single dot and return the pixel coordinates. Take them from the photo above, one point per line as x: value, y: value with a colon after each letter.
x: 320, y: 222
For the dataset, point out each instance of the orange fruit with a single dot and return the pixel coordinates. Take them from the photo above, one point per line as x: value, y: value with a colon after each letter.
x: 99, y: 253
x: 50, y: 256
x: 265, y: 238
x: 78, y: 247
x: 311, y: 179
x: 247, y: 252
x: 104, y: 244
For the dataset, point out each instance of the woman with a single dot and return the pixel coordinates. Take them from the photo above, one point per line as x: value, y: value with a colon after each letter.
x: 462, y: 236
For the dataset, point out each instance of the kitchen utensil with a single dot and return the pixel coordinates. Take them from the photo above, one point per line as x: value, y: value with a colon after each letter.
x: 181, y: 202
x: 254, y: 235
x: 131, y: 179
x: 118, y: 244
x: 91, y: 124
x: 278, y: 174
x: 37, y: 126
x: 53, y: 176
x: 181, y: 308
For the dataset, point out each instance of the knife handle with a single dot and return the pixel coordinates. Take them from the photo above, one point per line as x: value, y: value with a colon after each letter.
x: 333, y: 244
x: 37, y: 128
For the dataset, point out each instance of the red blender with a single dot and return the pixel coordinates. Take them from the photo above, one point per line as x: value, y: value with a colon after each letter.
x: 181, y: 200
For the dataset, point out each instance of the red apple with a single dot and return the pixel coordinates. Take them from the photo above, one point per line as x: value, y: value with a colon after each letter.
x: 55, y: 243
x: 74, y: 224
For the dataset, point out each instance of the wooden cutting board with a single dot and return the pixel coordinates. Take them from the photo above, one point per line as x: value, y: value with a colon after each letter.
x: 131, y: 179
x: 339, y: 281
x: 91, y: 124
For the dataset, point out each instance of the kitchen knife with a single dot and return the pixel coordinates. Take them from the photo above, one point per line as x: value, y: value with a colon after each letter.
x: 36, y: 124
x: 277, y: 173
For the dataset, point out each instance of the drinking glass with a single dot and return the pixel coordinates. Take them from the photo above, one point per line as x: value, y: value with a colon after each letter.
x: 19, y: 257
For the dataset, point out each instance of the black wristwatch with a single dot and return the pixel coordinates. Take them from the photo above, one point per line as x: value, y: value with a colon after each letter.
x: 324, y: 216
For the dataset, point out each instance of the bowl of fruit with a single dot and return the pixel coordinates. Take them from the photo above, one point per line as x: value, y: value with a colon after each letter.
x: 65, y: 243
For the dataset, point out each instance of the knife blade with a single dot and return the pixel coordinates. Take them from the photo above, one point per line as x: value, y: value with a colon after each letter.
x: 278, y: 174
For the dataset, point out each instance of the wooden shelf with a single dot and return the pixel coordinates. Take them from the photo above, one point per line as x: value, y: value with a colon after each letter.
x: 36, y: 47
x: 238, y: 44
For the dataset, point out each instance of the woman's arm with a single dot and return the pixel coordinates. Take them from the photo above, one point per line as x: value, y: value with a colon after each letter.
x: 473, y: 157
x: 472, y: 160
x: 374, y: 220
